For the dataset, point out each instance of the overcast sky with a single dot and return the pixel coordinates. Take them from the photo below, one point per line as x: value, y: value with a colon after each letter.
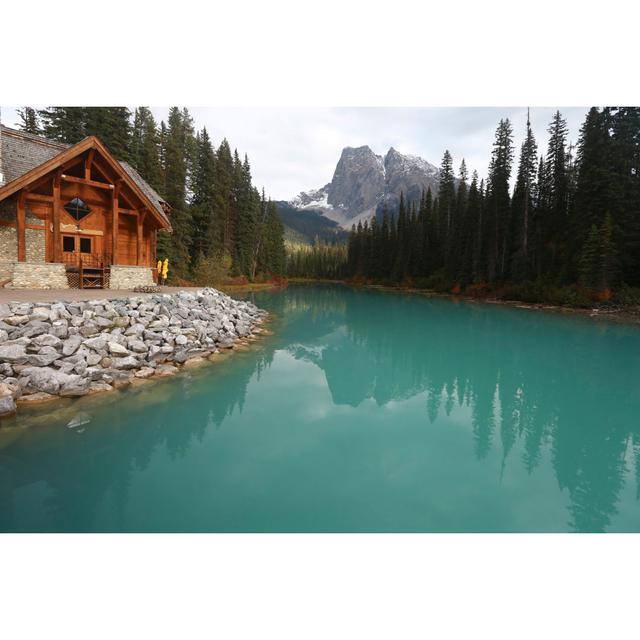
x: 296, y: 149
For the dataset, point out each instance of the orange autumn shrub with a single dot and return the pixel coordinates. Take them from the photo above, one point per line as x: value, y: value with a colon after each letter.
x: 601, y: 295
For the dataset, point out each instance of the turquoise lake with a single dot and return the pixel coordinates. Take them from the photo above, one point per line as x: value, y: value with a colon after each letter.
x: 365, y: 411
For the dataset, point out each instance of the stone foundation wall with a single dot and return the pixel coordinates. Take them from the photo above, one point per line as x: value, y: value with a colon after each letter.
x: 39, y: 275
x: 8, y: 244
x: 6, y: 269
x: 8, y: 239
x: 34, y: 238
x: 129, y: 277
x: 34, y: 245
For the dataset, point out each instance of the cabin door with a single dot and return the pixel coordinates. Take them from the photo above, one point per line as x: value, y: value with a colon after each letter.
x: 76, y: 247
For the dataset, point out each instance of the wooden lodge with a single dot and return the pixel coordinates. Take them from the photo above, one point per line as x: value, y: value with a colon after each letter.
x: 74, y: 216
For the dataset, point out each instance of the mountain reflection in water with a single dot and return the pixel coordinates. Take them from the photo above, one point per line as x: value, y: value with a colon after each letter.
x: 507, y: 407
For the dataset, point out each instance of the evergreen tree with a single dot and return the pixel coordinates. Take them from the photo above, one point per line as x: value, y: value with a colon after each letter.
x: 29, y: 120
x: 274, y: 254
x: 598, y: 262
x: 446, y: 203
x: 498, y: 203
x: 221, y: 237
x: 145, y: 147
x: 625, y: 192
x: 66, y: 124
x: 112, y: 125
x: 247, y: 206
x: 202, y: 197
x: 554, y: 214
x: 402, y: 255
x: 523, y: 206
x: 459, y: 224
x: 469, y: 232
x: 176, y: 247
x: 384, y: 244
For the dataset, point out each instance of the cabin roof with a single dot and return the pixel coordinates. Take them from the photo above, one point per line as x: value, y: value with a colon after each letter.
x: 21, y: 152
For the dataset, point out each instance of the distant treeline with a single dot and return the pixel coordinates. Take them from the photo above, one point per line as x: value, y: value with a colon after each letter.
x: 323, y: 261
x: 572, y: 218
x: 221, y: 223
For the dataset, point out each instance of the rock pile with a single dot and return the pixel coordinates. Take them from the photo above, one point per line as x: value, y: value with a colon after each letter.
x: 76, y: 348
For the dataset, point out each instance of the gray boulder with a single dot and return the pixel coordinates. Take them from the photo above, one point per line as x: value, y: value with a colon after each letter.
x: 44, y: 379
x: 7, y: 405
x: 74, y: 385
x: 117, y: 349
x: 13, y: 353
x: 99, y: 343
x: 47, y: 340
x: 71, y: 345
x: 128, y: 362
x: 44, y: 357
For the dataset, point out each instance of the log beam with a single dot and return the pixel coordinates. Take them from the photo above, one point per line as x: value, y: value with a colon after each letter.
x: 57, y: 205
x: 87, y: 164
x: 114, y: 224
x: 154, y: 247
x: 39, y: 197
x: 140, y: 237
x: 91, y: 183
x: 20, y: 226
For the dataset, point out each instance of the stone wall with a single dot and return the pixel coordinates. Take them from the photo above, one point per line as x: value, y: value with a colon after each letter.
x: 34, y: 238
x: 129, y: 277
x: 8, y: 239
x: 8, y: 244
x: 6, y: 270
x: 39, y: 275
x: 34, y: 244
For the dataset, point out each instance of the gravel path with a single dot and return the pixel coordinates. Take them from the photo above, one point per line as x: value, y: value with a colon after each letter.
x: 53, y: 295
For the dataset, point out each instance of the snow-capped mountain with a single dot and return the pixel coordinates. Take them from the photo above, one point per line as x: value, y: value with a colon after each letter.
x: 363, y: 181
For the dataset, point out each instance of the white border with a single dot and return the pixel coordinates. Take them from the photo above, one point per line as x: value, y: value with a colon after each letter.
x: 331, y: 53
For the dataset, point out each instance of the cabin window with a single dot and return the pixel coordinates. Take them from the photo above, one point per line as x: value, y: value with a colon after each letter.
x: 68, y: 243
x: 77, y: 209
x: 85, y: 245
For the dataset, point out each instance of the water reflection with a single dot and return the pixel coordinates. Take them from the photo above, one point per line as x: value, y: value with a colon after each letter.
x: 548, y: 383
x: 546, y: 379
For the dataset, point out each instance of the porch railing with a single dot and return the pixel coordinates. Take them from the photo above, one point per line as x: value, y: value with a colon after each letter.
x: 75, y: 260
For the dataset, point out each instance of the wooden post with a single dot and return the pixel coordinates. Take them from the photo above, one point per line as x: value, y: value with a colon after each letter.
x: 154, y: 254
x: 114, y: 224
x: 140, y: 237
x: 57, y: 248
x: 20, y: 228
x: 87, y: 164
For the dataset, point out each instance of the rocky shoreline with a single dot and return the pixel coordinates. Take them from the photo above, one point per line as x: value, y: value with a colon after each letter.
x: 71, y: 349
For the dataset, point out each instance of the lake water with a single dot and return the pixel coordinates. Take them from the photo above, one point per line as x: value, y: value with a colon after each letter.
x: 364, y: 411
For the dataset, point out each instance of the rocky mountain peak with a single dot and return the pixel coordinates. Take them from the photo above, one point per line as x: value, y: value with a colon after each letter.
x: 358, y: 181
x: 363, y: 181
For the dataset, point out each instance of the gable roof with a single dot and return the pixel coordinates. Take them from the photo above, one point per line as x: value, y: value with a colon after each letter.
x: 22, y: 153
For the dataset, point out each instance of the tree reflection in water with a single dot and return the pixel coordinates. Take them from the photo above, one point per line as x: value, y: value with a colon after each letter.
x: 547, y: 382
